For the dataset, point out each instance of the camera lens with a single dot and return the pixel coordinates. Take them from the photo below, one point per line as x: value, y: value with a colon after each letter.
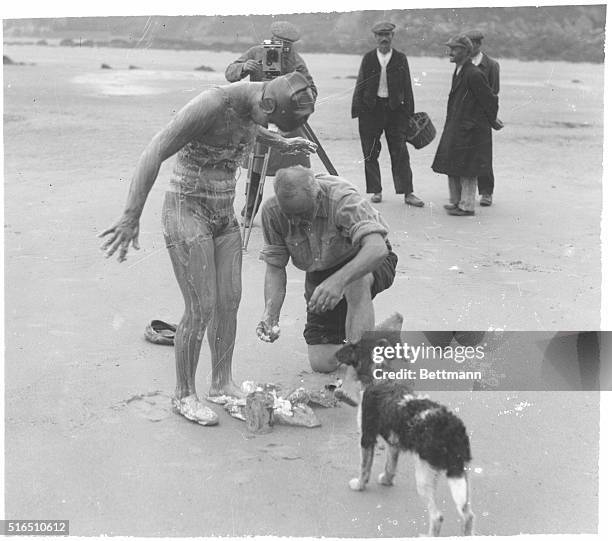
x: 271, y: 57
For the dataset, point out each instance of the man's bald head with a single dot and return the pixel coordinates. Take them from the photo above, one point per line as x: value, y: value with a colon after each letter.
x: 296, y: 190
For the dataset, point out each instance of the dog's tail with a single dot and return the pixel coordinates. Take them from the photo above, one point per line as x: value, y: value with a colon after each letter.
x: 460, y: 491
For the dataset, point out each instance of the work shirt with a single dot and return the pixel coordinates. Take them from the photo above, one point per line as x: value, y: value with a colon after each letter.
x: 342, y: 218
x: 383, y: 87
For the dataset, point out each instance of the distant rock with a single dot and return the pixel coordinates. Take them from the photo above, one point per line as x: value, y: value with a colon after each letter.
x: 576, y: 81
x: 42, y: 42
x: 86, y: 43
x: 351, y: 77
x: 105, y: 67
x: 7, y: 61
x: 203, y: 68
x: 131, y: 67
x: 67, y: 42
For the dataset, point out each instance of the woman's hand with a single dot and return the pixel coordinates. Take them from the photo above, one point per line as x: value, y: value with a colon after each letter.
x: 121, y: 234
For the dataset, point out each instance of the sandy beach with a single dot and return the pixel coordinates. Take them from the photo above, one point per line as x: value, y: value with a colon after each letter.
x: 90, y: 433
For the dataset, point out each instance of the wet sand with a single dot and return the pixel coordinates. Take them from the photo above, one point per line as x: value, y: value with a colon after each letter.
x: 90, y: 435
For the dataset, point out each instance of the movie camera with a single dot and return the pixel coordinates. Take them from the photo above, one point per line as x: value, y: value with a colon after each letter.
x: 274, y: 54
x: 272, y: 63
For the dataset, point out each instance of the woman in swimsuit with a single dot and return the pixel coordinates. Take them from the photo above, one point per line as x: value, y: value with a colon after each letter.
x: 210, y: 135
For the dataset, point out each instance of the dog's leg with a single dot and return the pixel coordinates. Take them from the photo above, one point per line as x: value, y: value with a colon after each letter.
x: 386, y: 478
x: 460, y: 490
x: 367, y: 456
x: 426, y: 481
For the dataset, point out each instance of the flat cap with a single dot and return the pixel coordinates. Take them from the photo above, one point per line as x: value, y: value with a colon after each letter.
x: 383, y: 26
x: 285, y: 30
x: 475, y: 35
x: 460, y: 40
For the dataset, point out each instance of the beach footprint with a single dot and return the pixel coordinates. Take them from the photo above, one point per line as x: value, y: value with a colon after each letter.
x: 154, y: 406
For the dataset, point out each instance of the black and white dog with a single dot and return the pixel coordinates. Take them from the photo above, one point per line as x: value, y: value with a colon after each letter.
x: 433, y: 434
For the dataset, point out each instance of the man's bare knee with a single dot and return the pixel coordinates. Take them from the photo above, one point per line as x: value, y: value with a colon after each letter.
x: 322, y: 357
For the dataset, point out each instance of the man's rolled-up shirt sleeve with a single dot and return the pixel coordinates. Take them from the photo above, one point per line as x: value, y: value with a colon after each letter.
x: 275, y: 251
x: 275, y: 255
x: 357, y: 219
x: 233, y: 72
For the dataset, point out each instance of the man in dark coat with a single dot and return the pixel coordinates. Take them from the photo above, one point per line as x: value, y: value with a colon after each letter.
x: 464, y: 151
x: 383, y: 101
x: 251, y: 64
x: 491, y: 70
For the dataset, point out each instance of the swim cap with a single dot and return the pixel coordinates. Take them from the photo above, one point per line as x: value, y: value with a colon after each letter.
x: 288, y: 101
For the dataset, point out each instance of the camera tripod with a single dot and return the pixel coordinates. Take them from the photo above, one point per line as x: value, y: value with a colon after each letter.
x: 247, y: 223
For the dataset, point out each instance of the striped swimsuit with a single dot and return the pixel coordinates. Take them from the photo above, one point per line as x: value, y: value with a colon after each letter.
x: 200, y: 197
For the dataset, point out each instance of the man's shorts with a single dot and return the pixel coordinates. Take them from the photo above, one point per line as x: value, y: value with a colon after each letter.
x: 329, y: 327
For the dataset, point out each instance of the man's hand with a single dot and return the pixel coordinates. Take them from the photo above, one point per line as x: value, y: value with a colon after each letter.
x: 121, y: 234
x: 326, y: 295
x: 266, y: 331
x: 251, y: 66
x: 295, y: 145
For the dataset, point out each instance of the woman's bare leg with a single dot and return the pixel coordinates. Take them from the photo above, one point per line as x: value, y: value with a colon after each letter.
x: 222, y: 328
x: 194, y: 267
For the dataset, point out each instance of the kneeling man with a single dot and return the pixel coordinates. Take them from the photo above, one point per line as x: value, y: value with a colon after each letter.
x: 339, y: 239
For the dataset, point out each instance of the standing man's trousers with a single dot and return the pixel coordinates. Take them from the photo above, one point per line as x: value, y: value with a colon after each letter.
x: 393, y: 123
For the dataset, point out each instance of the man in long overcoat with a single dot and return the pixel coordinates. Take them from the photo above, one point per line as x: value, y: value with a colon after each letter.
x: 490, y: 68
x: 383, y: 101
x: 464, y: 151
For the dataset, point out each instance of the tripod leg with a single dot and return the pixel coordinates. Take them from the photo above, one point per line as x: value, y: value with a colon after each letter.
x: 248, y: 220
x: 248, y: 190
x: 310, y: 135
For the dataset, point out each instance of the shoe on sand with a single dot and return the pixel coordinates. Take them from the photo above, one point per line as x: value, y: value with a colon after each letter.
x: 160, y: 332
x: 194, y: 410
x: 413, y: 200
x: 376, y: 198
x: 460, y: 212
x: 486, y: 200
x: 450, y: 206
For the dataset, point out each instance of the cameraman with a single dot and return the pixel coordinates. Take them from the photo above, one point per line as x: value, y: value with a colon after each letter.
x: 251, y: 64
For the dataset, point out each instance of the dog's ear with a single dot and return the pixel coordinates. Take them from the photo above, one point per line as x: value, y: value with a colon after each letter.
x: 347, y: 355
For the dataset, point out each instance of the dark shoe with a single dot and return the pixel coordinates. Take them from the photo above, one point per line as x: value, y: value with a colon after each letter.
x: 460, y: 212
x: 450, y: 206
x: 376, y: 198
x: 160, y: 332
x: 413, y: 200
x: 486, y: 200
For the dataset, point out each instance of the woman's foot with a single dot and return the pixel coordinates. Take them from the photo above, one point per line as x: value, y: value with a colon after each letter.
x: 220, y: 395
x: 193, y: 409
